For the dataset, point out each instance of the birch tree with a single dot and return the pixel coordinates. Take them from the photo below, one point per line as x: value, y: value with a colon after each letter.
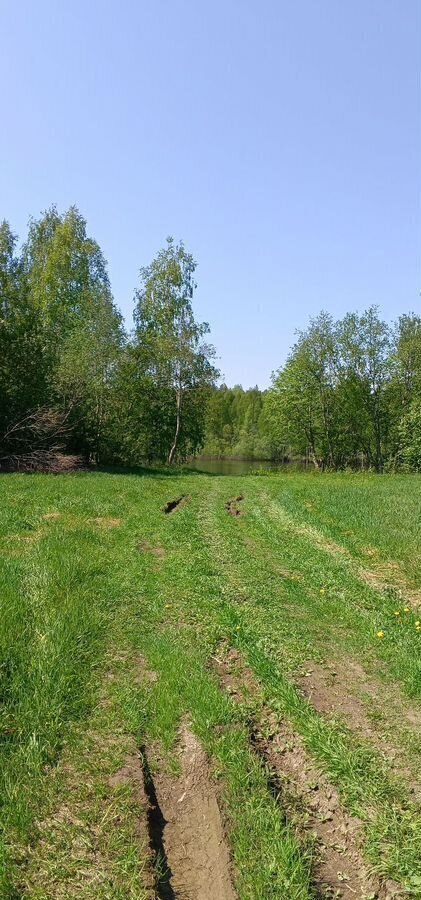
x: 170, y: 344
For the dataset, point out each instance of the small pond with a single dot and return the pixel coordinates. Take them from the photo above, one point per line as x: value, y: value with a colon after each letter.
x: 238, y: 466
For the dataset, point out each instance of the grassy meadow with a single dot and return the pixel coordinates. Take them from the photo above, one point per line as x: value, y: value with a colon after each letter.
x: 274, y: 617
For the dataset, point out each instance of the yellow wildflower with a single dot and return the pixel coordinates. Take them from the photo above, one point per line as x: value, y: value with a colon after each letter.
x: 418, y: 624
x: 397, y: 612
x: 407, y: 609
x: 380, y: 634
x: 322, y: 590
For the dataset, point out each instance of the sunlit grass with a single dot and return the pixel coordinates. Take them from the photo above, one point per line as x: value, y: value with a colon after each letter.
x: 81, y: 592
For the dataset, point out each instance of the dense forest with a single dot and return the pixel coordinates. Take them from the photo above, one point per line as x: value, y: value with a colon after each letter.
x: 236, y: 424
x: 75, y: 385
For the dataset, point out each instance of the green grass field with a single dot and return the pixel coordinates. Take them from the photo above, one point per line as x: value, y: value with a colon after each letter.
x: 276, y: 635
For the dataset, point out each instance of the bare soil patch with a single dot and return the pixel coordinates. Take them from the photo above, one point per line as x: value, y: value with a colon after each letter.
x: 146, y: 547
x: 172, y: 505
x: 329, y: 692
x: 185, y: 827
x: 328, y: 689
x: 232, y: 506
x: 305, y: 796
x: 388, y: 576
x: 105, y: 522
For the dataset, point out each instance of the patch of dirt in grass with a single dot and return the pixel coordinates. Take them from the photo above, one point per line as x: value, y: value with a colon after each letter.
x: 15, y: 545
x: 370, y: 551
x: 305, y: 796
x: 233, y: 507
x: 31, y: 537
x: 105, y: 522
x: 172, y: 505
x: 235, y: 676
x: 146, y: 547
x: 143, y: 672
x: 337, y: 689
x: 185, y: 822
x: 388, y: 576
x: 50, y: 516
x: 319, y: 539
x: 329, y: 688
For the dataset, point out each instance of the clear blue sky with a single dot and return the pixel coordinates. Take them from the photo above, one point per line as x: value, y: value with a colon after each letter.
x: 280, y: 139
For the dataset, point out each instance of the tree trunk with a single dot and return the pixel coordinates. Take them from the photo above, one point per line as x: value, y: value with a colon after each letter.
x: 314, y: 460
x: 177, y: 430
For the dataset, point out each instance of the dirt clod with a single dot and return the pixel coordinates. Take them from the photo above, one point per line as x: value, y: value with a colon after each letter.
x: 232, y: 506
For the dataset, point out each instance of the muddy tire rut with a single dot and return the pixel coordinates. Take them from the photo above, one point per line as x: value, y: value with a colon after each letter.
x: 188, y: 848
x: 305, y: 797
x: 172, y: 505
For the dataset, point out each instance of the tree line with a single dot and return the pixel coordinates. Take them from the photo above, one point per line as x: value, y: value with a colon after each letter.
x: 72, y: 381
x: 350, y: 393
x: 74, y: 384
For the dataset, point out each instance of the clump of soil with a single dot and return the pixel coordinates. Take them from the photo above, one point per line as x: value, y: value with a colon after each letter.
x: 185, y: 827
x: 232, y: 506
x: 172, y: 505
x: 308, y: 800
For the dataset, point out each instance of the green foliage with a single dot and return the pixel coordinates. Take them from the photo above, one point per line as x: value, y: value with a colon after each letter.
x: 69, y: 377
x: 236, y: 424
x: 344, y: 390
x: 61, y: 333
x: 410, y: 437
x: 71, y: 380
x: 170, y: 352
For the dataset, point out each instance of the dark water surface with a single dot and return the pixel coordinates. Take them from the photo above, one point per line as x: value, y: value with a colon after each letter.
x: 237, y: 466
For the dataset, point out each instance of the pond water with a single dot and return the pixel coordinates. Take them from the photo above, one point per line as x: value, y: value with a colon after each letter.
x: 236, y: 466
